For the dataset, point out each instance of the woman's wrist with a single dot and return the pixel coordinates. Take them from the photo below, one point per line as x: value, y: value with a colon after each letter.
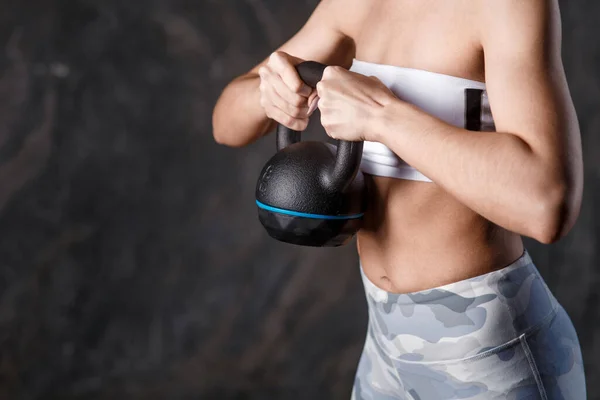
x: 384, y: 119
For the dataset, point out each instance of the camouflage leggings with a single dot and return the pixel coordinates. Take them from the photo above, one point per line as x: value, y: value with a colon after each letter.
x: 501, y: 335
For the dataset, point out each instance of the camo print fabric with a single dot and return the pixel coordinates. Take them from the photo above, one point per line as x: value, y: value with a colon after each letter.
x: 501, y: 335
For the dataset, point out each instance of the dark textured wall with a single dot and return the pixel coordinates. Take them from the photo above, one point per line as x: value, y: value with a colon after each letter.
x: 132, y: 265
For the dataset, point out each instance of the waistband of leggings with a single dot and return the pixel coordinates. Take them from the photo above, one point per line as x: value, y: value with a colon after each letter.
x: 461, y: 318
x: 486, y: 282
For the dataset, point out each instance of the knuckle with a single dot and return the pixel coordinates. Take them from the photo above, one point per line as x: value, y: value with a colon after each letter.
x: 265, y: 73
x: 291, y: 110
x: 297, y: 86
x: 288, y: 120
x: 302, y: 125
x: 297, y: 101
x: 276, y: 55
x: 320, y: 87
x: 277, y: 59
x: 266, y: 104
x: 331, y: 70
x: 298, y: 112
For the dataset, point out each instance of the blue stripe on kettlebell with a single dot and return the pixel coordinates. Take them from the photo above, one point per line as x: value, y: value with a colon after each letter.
x: 306, y: 215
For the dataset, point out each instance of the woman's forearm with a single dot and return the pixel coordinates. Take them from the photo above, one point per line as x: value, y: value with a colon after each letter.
x: 238, y: 118
x: 495, y: 174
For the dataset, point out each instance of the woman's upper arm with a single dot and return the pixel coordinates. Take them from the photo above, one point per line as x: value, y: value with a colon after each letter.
x: 525, y: 78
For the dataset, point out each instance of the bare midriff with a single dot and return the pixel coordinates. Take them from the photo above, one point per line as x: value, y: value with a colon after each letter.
x: 416, y: 237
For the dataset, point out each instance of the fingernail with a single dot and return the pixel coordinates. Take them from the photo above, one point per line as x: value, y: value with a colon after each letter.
x: 313, y: 106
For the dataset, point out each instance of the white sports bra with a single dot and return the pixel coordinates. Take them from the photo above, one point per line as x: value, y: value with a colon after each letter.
x: 457, y: 101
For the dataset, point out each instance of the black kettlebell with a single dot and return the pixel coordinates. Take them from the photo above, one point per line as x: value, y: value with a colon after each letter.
x: 312, y: 193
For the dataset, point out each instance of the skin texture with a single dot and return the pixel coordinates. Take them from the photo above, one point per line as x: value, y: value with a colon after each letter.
x: 489, y: 187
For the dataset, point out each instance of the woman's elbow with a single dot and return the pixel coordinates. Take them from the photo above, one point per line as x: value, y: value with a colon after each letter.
x: 223, y: 135
x: 550, y: 228
x: 558, y: 209
x: 225, y: 139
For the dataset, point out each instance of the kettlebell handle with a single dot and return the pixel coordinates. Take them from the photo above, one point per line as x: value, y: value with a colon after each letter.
x: 349, y: 154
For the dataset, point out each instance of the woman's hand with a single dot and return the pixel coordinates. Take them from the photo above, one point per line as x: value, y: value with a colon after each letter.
x: 349, y: 101
x: 283, y: 95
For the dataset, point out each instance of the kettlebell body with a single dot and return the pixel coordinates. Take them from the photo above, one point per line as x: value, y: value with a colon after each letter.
x: 312, y: 193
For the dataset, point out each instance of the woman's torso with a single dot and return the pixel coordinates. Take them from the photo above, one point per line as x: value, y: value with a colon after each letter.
x: 416, y: 235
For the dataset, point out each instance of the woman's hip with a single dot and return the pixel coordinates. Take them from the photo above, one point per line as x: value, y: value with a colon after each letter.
x: 499, y: 335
